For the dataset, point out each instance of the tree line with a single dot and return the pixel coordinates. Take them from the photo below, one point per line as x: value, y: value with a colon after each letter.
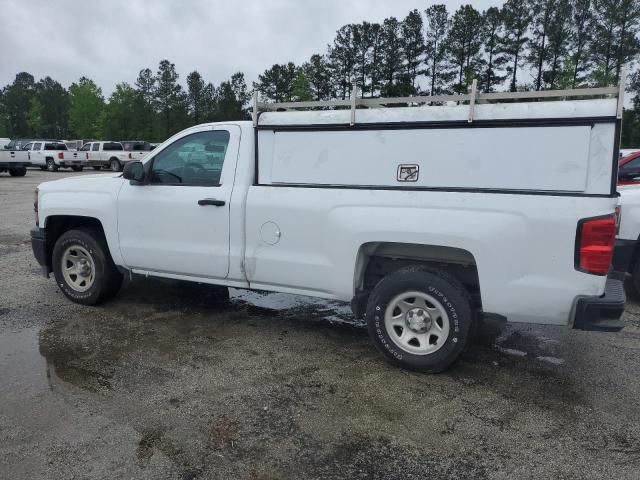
x: 153, y: 109
x: 523, y: 45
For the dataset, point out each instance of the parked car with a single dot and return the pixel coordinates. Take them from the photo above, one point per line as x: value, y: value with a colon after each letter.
x: 52, y: 155
x: 105, y: 154
x: 423, y: 218
x: 137, y: 149
x: 629, y: 169
x: 628, y: 151
x: 626, y: 257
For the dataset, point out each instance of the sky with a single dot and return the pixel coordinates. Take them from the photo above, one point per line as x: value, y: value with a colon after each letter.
x: 110, y: 41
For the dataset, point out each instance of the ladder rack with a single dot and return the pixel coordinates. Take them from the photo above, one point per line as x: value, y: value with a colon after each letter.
x: 473, y: 98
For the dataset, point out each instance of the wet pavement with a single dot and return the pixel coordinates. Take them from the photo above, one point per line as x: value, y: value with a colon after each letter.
x: 169, y: 381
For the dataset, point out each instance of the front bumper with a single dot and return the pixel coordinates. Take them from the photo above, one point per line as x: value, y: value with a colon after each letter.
x: 623, y: 255
x: 39, y: 247
x: 602, y: 314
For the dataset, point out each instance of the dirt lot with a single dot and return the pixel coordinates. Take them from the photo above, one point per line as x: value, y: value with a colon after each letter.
x: 167, y: 382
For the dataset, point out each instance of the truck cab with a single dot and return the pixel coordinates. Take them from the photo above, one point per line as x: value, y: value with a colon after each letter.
x: 108, y: 154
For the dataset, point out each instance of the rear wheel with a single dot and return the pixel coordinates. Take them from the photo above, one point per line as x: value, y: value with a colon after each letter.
x: 420, y: 319
x: 83, y: 267
x: 51, y: 165
x: 18, y: 171
x: 115, y: 165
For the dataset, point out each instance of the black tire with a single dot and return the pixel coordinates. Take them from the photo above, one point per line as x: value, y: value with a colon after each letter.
x: 107, y: 279
x: 454, y: 300
x: 18, y: 171
x: 77, y: 169
x: 96, y: 167
x: 51, y: 165
x: 115, y: 165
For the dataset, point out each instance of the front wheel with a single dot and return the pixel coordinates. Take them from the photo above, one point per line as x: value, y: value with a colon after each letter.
x: 420, y: 319
x: 83, y: 267
x: 18, y: 171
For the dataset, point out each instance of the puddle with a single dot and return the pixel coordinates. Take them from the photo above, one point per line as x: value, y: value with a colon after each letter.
x: 21, y: 365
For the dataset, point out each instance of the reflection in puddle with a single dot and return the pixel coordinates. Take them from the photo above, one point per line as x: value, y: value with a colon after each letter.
x: 21, y: 366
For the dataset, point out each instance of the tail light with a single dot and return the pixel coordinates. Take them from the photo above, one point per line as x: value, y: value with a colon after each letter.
x: 35, y: 206
x: 61, y: 155
x: 594, y: 244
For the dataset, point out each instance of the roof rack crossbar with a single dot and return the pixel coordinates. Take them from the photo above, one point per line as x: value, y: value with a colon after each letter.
x: 473, y: 98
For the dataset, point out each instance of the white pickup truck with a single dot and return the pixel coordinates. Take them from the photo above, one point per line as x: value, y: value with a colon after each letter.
x: 12, y: 161
x: 51, y: 155
x: 105, y: 154
x: 423, y: 217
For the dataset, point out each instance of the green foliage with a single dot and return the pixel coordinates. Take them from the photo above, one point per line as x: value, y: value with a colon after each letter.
x: 516, y: 17
x: 34, y: 117
x: 120, y: 119
x: 86, y: 107
x: 302, y: 88
x: 436, y: 48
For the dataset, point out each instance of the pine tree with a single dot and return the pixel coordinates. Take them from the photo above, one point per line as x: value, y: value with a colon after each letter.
x: 390, y: 59
x: 170, y: 99
x: 580, y: 38
x: 196, y: 95
x: 276, y: 83
x: 559, y: 36
x: 317, y: 74
x: 464, y: 43
x: 437, y: 27
x: 495, y: 58
x: 17, y: 102
x: 342, y: 60
x: 516, y: 17
x: 412, y: 47
x: 146, y: 86
x: 542, y: 13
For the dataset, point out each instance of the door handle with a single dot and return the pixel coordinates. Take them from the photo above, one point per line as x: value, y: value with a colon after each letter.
x: 211, y: 201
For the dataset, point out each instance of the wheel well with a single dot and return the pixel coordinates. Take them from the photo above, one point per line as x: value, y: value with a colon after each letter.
x: 56, y: 225
x: 378, y: 259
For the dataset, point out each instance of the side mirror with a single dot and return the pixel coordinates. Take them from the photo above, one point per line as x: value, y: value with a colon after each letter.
x: 134, y: 171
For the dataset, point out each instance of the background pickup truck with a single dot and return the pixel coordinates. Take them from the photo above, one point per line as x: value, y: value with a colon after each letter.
x: 12, y: 163
x: 422, y: 217
x: 105, y: 154
x: 51, y: 155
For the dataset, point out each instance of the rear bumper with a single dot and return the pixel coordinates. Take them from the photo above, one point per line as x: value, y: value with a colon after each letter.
x: 39, y: 247
x: 603, y: 314
x: 623, y: 254
x: 9, y: 165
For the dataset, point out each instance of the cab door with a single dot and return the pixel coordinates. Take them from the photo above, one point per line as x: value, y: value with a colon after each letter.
x: 177, y: 222
x: 35, y: 154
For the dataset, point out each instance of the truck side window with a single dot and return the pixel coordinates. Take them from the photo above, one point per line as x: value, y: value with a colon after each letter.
x: 96, y: 147
x: 86, y: 147
x: 194, y: 160
x: 37, y: 146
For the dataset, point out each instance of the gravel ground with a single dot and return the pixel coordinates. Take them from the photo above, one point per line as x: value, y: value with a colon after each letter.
x: 167, y: 382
